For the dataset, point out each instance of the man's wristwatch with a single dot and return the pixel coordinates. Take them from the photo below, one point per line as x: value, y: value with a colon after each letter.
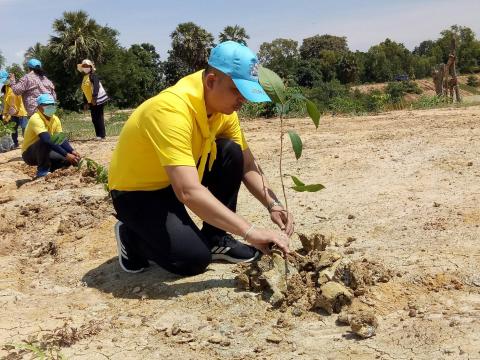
x: 272, y: 204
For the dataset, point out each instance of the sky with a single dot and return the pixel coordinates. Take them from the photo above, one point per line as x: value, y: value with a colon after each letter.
x: 363, y: 22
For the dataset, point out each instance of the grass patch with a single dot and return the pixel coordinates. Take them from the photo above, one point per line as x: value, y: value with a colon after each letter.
x: 78, y: 126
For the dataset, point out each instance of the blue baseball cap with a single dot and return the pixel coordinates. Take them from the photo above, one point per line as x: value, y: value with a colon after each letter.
x: 45, y: 99
x: 241, y: 64
x: 34, y: 64
x: 3, y: 77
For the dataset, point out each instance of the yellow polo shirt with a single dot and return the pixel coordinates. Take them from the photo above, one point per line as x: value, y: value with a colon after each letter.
x: 37, y: 124
x: 15, y: 101
x: 171, y: 128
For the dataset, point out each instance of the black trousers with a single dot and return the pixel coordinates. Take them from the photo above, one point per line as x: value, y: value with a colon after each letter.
x: 98, y: 120
x: 41, y: 155
x: 159, y: 227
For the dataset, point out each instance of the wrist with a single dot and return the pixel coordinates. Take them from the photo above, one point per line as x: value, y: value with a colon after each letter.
x: 274, y: 203
x: 248, y: 232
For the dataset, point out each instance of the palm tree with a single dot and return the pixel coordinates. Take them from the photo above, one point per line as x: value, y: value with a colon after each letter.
x: 77, y: 37
x: 234, y: 33
x: 191, y: 44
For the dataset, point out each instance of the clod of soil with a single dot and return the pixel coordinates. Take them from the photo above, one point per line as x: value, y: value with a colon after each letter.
x: 314, y: 278
x: 362, y: 323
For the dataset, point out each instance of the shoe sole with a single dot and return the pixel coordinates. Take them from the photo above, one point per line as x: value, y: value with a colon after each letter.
x: 119, y: 249
x: 234, y: 260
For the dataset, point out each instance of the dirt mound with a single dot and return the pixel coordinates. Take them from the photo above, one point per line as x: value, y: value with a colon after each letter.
x: 314, y: 278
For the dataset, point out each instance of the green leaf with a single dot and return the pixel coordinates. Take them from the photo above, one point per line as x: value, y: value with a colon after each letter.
x: 308, y: 188
x: 297, y: 181
x: 272, y: 84
x: 296, y: 143
x: 313, y: 112
x: 58, y: 138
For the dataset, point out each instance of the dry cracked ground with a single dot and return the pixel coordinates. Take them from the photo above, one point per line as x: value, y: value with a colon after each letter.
x: 405, y: 186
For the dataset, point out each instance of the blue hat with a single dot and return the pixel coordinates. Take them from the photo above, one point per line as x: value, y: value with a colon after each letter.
x: 34, y: 64
x: 45, y: 99
x: 3, y: 77
x: 241, y: 64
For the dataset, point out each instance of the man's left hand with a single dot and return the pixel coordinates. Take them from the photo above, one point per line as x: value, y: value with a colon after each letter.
x: 283, y: 219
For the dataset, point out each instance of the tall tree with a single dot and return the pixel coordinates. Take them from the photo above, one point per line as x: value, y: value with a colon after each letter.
x: 280, y: 55
x: 312, y: 47
x: 234, y: 33
x: 77, y: 37
x: 191, y: 44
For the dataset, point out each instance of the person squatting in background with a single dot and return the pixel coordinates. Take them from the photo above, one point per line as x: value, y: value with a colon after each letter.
x: 32, y: 85
x: 13, y: 109
x: 95, y: 96
x: 38, y: 149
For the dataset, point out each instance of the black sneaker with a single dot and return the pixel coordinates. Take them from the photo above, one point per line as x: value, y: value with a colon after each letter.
x: 129, y: 262
x: 233, y: 251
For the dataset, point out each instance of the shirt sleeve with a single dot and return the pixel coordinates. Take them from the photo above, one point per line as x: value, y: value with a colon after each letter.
x: 20, y: 86
x: 231, y: 130
x: 38, y: 126
x: 169, y: 130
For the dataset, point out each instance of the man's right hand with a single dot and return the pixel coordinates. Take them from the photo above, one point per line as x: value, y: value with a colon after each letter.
x: 262, y: 239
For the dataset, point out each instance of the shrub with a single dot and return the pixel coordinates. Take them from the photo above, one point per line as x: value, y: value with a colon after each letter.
x: 473, y: 81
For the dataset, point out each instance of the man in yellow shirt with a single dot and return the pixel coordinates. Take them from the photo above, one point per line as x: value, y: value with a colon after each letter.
x: 38, y: 147
x: 13, y: 109
x: 185, y: 147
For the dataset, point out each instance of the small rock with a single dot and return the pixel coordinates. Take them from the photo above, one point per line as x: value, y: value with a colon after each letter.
x: 336, y: 156
x: 136, y: 290
x: 350, y: 217
x: 297, y: 311
x: 79, y: 236
x: 435, y: 204
x: 412, y: 313
x: 470, y: 163
x: 219, y: 340
x: 274, y: 339
x: 351, y: 239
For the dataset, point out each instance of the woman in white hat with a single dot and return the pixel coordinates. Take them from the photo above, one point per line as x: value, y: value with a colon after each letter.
x: 95, y: 96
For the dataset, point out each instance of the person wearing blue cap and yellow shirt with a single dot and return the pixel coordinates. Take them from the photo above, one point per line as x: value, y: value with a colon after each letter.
x: 32, y: 85
x: 13, y: 109
x: 185, y: 147
x: 38, y: 148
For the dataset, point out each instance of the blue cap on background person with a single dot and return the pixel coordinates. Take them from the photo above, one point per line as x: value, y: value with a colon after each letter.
x: 3, y: 77
x: 241, y: 64
x: 34, y: 64
x: 45, y: 99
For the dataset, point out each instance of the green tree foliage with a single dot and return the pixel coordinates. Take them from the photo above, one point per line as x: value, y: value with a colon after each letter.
x: 386, y: 60
x: 15, y: 69
x: 234, y: 33
x: 191, y: 44
x: 280, y: 55
x: 312, y: 47
x: 347, y: 68
x: 77, y: 37
x: 133, y: 75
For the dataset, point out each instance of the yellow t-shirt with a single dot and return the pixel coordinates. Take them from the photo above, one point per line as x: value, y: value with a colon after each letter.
x: 13, y: 101
x: 87, y: 88
x: 171, y: 128
x: 37, y: 124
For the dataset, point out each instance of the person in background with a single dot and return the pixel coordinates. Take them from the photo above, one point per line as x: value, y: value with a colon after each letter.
x: 38, y: 149
x: 95, y: 96
x: 13, y: 109
x: 32, y: 85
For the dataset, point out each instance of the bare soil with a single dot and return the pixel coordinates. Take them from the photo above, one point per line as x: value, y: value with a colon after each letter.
x: 402, y: 191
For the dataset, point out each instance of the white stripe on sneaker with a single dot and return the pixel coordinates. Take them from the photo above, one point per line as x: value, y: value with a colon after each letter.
x: 226, y: 249
x: 214, y: 248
